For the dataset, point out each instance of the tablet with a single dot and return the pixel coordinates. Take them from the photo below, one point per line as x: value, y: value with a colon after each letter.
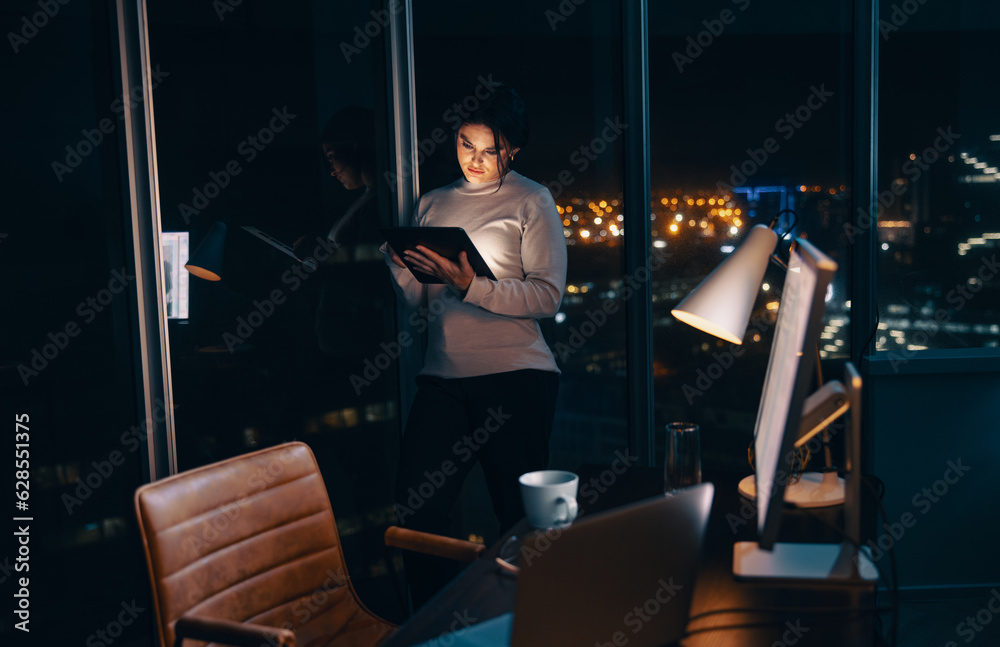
x: 280, y: 246
x: 446, y: 241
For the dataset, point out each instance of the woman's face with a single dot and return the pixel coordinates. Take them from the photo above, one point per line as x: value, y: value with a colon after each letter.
x: 348, y: 174
x: 478, y: 156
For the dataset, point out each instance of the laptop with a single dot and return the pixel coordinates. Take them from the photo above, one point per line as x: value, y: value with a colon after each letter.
x: 621, y: 577
x: 624, y: 576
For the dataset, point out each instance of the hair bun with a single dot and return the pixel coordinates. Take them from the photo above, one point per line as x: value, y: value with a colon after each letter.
x: 504, y: 112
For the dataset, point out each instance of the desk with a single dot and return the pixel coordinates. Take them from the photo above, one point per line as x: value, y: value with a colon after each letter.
x: 482, y: 591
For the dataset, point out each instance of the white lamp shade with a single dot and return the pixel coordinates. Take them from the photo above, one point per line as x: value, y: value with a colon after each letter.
x: 721, y: 304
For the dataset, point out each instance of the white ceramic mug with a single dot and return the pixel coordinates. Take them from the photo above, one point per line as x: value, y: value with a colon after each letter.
x: 549, y: 498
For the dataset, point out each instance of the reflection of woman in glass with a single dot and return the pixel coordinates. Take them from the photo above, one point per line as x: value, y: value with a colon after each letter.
x: 348, y: 320
x: 351, y: 317
x: 488, y: 388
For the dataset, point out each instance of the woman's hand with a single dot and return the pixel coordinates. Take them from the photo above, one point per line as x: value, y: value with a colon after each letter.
x: 458, y: 275
x: 394, y: 256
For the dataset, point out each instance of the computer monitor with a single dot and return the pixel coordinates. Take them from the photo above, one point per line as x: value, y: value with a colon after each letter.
x: 174, y: 253
x: 789, y: 380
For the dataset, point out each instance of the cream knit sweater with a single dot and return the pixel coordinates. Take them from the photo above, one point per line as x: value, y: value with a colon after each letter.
x: 493, y: 329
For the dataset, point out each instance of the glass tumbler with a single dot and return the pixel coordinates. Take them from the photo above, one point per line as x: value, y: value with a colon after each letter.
x: 682, y: 467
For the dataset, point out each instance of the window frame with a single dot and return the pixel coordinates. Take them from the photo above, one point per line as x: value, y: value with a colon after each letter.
x: 143, y: 205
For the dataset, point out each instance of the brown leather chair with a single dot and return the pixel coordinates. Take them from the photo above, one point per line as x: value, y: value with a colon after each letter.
x: 246, y: 552
x: 422, y: 542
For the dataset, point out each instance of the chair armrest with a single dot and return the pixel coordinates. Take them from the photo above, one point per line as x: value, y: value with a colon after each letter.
x: 228, y: 632
x: 423, y: 542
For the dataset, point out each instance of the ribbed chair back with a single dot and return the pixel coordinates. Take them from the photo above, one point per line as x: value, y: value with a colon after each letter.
x: 252, y: 539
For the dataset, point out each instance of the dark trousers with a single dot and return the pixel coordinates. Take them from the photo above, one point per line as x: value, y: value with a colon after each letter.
x: 503, y: 420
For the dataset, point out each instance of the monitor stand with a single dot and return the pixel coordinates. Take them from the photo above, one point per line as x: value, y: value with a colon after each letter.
x: 841, y: 563
x: 793, y: 561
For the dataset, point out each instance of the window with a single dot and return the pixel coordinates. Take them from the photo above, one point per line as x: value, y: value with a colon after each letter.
x: 565, y: 61
x: 939, y: 153
x: 72, y: 553
x: 750, y: 110
x: 270, y: 119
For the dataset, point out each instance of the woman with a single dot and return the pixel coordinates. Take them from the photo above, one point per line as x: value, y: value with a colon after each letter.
x: 488, y: 387
x: 353, y: 293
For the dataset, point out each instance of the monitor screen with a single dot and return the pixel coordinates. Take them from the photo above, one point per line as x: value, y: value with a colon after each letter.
x: 788, y: 381
x: 174, y: 253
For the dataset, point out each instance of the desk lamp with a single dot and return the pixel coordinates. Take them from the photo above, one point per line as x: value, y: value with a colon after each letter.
x: 721, y: 306
x: 206, y: 262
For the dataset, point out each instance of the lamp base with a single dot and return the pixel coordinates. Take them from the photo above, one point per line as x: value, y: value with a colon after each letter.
x: 813, y: 490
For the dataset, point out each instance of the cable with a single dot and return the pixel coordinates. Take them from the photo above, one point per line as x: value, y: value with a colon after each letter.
x: 892, y: 578
x: 802, y: 610
x: 874, y: 331
x: 747, y: 625
x: 791, y: 227
x: 892, y: 563
x: 774, y: 221
x: 773, y: 623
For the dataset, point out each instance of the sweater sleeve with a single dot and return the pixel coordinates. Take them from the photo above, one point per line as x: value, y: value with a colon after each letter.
x: 407, y: 286
x: 543, y: 261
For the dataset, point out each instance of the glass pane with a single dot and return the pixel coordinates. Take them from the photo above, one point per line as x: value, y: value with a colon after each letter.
x: 72, y: 561
x: 750, y: 116
x: 566, y: 65
x: 939, y: 153
x: 271, y: 120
